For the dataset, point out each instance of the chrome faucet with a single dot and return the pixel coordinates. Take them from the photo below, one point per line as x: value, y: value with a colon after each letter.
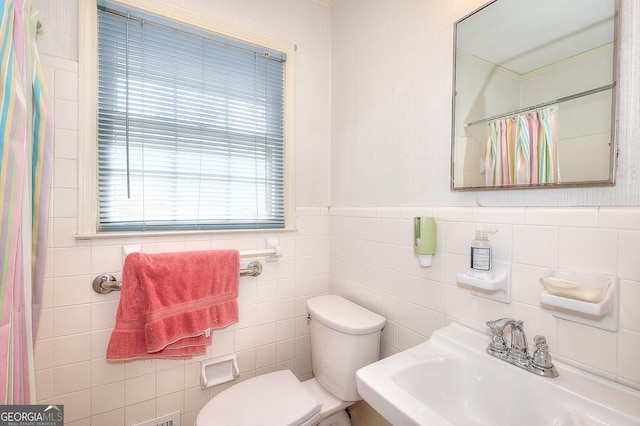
x: 517, y: 352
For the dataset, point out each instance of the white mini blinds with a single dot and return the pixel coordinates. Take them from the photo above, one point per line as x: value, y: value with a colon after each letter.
x: 190, y: 128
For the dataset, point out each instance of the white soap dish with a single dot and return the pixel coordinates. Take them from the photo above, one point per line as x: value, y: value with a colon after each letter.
x: 579, y: 286
x: 583, y: 298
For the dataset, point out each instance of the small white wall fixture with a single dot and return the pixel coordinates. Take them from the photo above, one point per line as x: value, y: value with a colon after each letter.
x: 496, y: 287
x: 601, y: 314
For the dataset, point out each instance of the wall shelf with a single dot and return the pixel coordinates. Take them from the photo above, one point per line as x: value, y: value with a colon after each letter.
x: 497, y: 287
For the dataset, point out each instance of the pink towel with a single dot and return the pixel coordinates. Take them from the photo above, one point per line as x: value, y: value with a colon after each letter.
x: 170, y: 302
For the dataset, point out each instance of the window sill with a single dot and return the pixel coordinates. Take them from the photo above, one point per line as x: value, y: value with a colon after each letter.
x: 140, y: 234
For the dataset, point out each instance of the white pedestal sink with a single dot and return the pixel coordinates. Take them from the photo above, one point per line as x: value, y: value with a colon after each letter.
x: 451, y: 380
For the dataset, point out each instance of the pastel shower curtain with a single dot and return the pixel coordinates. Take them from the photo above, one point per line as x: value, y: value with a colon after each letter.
x: 523, y: 149
x: 26, y: 148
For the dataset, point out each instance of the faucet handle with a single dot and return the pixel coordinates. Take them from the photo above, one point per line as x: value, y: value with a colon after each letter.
x: 541, y: 357
x: 498, y: 344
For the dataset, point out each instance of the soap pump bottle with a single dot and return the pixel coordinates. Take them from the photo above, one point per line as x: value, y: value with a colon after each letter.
x: 481, y: 252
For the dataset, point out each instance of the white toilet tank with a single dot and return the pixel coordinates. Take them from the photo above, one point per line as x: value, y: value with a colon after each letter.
x: 344, y: 338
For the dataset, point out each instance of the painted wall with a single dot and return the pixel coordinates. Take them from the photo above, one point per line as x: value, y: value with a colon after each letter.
x: 392, y: 84
x: 373, y: 124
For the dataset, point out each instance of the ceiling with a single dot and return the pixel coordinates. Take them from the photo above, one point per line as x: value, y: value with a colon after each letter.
x: 525, y: 35
x: 326, y: 3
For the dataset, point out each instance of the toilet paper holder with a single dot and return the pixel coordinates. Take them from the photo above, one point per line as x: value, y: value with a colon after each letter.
x: 219, y: 370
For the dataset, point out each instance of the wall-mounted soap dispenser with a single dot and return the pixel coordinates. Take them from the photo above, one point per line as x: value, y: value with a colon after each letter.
x: 424, y: 239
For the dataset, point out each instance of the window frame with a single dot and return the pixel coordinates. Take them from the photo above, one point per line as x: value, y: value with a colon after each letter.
x: 87, y: 226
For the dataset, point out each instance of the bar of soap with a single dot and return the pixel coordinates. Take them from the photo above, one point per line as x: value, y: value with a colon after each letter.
x: 587, y: 288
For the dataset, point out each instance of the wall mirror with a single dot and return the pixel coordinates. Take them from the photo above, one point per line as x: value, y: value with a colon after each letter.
x: 535, y: 95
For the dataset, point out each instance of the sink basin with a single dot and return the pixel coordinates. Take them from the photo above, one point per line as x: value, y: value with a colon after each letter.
x: 451, y: 380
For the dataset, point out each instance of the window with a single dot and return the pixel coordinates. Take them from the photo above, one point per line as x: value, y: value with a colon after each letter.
x: 191, y: 128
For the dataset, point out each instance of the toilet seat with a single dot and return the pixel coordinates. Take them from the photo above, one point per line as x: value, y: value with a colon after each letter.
x: 328, y: 402
x: 273, y: 399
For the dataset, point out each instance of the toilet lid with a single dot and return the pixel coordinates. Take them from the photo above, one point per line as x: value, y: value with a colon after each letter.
x: 274, y: 399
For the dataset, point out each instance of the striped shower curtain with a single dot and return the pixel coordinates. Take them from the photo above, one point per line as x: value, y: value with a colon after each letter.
x: 26, y: 148
x: 523, y: 149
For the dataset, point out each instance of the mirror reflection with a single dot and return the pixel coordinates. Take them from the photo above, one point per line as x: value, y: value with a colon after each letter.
x: 534, y: 99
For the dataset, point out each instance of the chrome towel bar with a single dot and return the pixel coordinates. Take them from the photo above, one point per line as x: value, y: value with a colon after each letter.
x: 106, y: 283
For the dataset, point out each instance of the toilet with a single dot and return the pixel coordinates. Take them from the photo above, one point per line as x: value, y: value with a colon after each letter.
x: 344, y: 338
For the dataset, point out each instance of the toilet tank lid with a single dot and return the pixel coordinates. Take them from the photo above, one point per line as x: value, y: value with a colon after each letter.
x: 343, y: 315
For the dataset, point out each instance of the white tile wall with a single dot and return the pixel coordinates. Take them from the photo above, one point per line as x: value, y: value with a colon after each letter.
x: 386, y: 277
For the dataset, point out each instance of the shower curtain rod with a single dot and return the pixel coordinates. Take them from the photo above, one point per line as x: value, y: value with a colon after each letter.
x: 544, y: 104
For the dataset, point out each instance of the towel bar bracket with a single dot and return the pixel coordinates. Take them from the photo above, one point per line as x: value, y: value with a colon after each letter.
x: 105, y: 283
x: 253, y: 269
